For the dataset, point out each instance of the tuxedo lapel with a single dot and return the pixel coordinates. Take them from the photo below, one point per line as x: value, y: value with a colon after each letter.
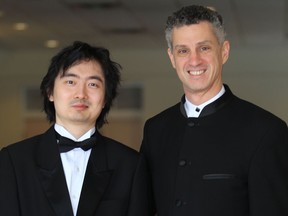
x: 96, y: 180
x: 51, y: 174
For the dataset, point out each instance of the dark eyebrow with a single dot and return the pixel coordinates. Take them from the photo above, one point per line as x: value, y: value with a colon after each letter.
x: 95, y: 77
x: 67, y: 74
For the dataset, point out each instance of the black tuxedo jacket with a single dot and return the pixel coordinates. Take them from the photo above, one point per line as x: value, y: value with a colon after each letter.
x: 231, y: 161
x: 32, y: 181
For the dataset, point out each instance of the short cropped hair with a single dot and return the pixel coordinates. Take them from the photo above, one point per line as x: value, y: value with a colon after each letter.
x: 195, y: 14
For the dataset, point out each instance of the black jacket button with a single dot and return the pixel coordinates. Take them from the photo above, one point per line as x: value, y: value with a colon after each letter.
x: 178, y: 203
x: 182, y: 162
x: 191, y: 124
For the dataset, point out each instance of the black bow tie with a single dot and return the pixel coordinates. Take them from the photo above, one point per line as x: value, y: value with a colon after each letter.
x: 66, y: 144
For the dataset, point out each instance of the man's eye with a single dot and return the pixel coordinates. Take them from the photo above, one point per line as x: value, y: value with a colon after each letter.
x: 205, y: 48
x: 182, y: 52
x: 70, y: 82
x: 94, y: 85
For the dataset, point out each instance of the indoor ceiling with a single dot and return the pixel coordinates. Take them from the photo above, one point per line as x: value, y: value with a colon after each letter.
x: 133, y: 23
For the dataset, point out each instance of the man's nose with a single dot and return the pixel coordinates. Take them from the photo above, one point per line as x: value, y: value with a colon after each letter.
x: 195, y: 58
x: 81, y: 91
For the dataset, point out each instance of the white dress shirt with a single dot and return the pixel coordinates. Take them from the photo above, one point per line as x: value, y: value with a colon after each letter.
x: 194, y: 111
x: 74, y: 164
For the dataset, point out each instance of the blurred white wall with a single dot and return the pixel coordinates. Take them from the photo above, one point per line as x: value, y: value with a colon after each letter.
x: 258, y: 75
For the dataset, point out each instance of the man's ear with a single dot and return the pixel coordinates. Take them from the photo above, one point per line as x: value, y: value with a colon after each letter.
x: 51, y: 98
x: 225, y: 51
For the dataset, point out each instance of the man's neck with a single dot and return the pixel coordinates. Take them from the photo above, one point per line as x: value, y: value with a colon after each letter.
x: 204, y: 97
x: 75, y: 131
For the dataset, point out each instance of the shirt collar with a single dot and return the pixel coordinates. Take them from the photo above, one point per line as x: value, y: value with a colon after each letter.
x: 63, y: 132
x: 190, y: 108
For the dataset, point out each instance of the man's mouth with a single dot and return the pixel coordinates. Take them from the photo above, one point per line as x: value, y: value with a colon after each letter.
x: 196, y: 72
x: 80, y: 105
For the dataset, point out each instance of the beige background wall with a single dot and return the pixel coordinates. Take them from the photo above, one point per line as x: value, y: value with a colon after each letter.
x: 259, y: 75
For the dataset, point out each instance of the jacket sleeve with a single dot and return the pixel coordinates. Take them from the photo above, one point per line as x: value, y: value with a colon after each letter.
x: 268, y: 175
x: 9, y: 205
x: 141, y: 195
